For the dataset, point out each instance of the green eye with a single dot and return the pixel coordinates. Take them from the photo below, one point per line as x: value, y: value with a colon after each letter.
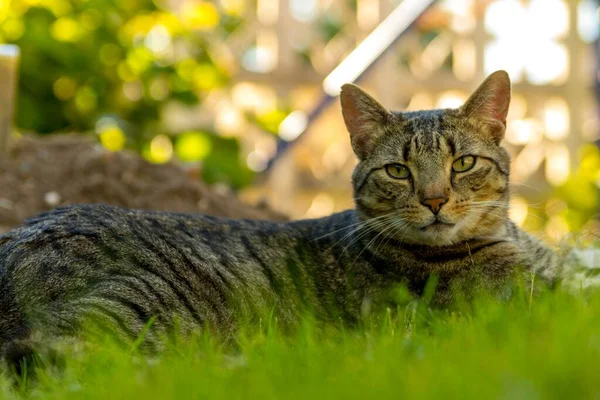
x: 397, y: 171
x: 463, y: 164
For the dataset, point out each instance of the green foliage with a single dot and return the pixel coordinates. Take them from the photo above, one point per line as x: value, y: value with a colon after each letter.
x: 82, y: 59
x: 123, y: 61
x: 223, y: 164
x: 581, y: 192
x: 541, y: 347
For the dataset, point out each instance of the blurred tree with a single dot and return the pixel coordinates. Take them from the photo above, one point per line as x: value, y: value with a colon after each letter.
x: 110, y: 66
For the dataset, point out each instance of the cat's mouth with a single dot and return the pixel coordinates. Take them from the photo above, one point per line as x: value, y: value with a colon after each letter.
x: 437, y: 224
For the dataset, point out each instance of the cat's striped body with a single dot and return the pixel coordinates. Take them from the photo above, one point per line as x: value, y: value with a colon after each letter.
x: 123, y: 267
x: 431, y: 192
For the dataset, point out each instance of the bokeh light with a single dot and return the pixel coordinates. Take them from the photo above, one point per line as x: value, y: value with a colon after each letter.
x: 527, y: 37
x: 112, y: 138
x: 199, y: 15
x: 192, y: 146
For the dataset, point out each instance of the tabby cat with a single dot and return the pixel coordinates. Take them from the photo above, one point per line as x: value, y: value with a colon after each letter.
x: 431, y: 190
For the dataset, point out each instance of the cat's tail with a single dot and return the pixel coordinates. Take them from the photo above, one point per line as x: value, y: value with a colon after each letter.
x: 23, y: 350
x: 16, y: 351
x: 19, y: 357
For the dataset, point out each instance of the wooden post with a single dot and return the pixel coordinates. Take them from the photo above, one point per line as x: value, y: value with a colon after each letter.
x: 9, y: 62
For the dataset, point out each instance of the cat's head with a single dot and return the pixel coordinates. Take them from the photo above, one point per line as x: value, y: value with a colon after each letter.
x: 434, y: 177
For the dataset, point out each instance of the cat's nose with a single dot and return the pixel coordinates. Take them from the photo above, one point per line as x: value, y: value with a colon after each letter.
x: 435, y: 203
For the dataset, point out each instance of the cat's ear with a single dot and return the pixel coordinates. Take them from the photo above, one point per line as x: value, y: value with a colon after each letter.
x: 364, y: 118
x: 488, y: 105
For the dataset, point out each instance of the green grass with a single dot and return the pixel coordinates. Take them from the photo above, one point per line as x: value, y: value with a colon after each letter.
x: 547, y: 346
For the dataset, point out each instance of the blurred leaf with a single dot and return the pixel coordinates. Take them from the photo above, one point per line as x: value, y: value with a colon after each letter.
x: 193, y: 146
x: 203, y: 15
x: 112, y: 138
x: 329, y: 26
x: 159, y: 150
x: 223, y: 164
x: 581, y: 192
x: 271, y: 120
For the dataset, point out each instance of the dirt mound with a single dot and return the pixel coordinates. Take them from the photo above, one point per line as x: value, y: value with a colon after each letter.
x: 43, y: 173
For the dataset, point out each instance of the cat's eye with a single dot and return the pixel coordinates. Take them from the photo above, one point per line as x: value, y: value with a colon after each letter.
x: 463, y: 164
x: 397, y: 171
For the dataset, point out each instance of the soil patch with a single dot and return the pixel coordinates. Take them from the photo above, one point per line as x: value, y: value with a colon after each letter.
x: 41, y: 173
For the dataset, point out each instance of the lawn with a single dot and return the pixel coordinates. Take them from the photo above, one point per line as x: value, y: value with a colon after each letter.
x: 545, y: 345
x: 534, y: 343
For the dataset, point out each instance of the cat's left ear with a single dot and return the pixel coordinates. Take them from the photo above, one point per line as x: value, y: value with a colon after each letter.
x: 488, y: 105
x: 364, y: 118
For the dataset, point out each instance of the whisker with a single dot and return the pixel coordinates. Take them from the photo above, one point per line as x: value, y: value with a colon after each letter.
x: 382, y: 222
x: 489, y: 206
x: 339, y: 230
x: 490, y: 202
x: 352, y: 225
x: 362, y: 234
x: 369, y: 244
x: 525, y: 185
x: 401, y: 227
x: 395, y: 224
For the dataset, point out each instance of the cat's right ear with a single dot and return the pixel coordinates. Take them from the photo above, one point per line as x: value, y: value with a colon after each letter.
x: 364, y: 118
x: 488, y: 106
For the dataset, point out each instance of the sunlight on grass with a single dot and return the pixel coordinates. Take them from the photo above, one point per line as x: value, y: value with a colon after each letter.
x: 545, y: 346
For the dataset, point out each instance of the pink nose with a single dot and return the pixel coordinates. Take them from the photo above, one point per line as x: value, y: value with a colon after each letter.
x: 434, y: 204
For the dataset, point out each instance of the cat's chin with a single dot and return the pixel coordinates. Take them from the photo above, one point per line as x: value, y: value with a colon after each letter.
x: 435, y: 234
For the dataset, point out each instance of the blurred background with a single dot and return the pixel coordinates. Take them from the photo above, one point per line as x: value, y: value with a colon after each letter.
x: 243, y: 93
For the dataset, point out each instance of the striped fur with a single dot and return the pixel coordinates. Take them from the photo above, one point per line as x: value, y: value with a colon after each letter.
x: 124, y: 268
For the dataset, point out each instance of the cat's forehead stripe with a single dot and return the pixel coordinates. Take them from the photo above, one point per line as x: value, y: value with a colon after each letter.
x: 425, y: 137
x: 406, y: 151
x: 451, y: 144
